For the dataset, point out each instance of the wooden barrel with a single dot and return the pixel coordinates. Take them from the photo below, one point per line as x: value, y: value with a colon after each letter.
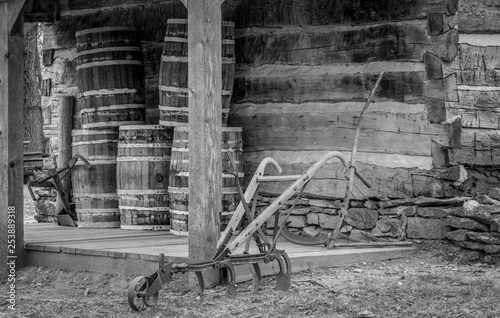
x: 110, y: 74
x: 179, y: 174
x: 143, y: 164
x: 94, y: 188
x: 174, y: 73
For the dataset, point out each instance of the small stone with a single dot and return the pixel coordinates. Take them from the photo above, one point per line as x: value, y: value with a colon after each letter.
x: 313, y: 218
x: 494, y: 193
x: 327, y: 221
x: 488, y: 238
x: 301, y: 201
x: 316, y: 209
x: 492, y: 259
x: 473, y: 210
x: 300, y: 211
x: 361, y: 218
x: 458, y: 235
x: 495, y: 224
x: 325, y: 204
x: 346, y: 229
x: 430, y: 229
x: 400, y: 210
x: 394, y: 203
x: 464, y: 223
x: 492, y: 249
x: 370, y: 205
x: 472, y: 245
x: 388, y: 227
x: 311, y: 231
x: 360, y: 235
x: 297, y: 221
x: 356, y: 204
x: 330, y: 211
x: 484, y: 199
x: 434, y: 213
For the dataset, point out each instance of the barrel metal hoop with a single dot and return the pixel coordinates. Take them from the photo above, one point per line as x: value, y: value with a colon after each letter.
x: 109, y: 63
x: 112, y: 107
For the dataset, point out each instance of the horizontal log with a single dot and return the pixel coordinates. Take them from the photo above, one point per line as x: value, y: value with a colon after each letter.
x: 401, y: 41
x: 477, y: 65
x: 314, y: 128
x: 477, y: 98
x: 321, y: 12
x: 331, y: 180
x: 485, y: 119
x: 479, y: 148
x: 480, y: 39
x: 309, y: 157
x: 302, y: 85
x: 386, y: 117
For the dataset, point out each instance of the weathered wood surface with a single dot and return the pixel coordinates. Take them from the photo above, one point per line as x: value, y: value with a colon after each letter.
x: 94, y: 188
x: 205, y: 125
x: 328, y: 83
x: 477, y: 65
x: 11, y: 143
x: 479, y: 148
x: 248, y: 13
x: 328, y: 126
x: 478, y: 107
x: 478, y: 16
x: 398, y: 41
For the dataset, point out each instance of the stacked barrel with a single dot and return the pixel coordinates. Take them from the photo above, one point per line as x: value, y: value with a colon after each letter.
x: 142, y: 176
x: 110, y: 75
x: 174, y: 113
x: 174, y: 73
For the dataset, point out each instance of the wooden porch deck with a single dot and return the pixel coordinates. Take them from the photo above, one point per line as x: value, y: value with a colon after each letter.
x: 136, y: 252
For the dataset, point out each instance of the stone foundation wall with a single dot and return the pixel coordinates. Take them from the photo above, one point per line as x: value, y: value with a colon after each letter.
x: 472, y: 223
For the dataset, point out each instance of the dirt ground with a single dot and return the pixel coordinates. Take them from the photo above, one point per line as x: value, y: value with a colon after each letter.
x: 430, y: 282
x: 433, y: 281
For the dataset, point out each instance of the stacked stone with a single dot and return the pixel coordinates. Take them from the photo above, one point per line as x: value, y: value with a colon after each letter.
x: 414, y: 218
x: 476, y: 225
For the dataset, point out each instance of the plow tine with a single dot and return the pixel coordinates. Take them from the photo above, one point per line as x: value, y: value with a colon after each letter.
x: 284, y: 277
x: 231, y: 280
x: 200, y: 287
x: 256, y: 277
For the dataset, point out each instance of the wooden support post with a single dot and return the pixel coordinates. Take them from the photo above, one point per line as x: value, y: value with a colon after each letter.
x: 11, y: 143
x: 205, y: 130
x: 66, y: 106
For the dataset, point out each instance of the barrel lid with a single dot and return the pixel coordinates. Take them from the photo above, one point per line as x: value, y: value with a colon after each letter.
x: 106, y: 29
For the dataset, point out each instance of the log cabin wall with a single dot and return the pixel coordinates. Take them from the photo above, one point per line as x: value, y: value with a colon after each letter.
x: 477, y: 70
x: 305, y: 69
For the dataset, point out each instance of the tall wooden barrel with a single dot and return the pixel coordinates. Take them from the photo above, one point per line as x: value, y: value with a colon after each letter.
x: 174, y: 73
x: 143, y: 164
x: 179, y: 174
x: 110, y: 74
x: 94, y: 188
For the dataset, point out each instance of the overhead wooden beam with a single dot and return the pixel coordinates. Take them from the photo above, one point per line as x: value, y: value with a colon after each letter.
x: 11, y: 143
x: 205, y: 130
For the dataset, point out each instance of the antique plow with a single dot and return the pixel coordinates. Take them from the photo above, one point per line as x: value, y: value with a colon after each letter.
x: 143, y: 290
x: 53, y: 178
